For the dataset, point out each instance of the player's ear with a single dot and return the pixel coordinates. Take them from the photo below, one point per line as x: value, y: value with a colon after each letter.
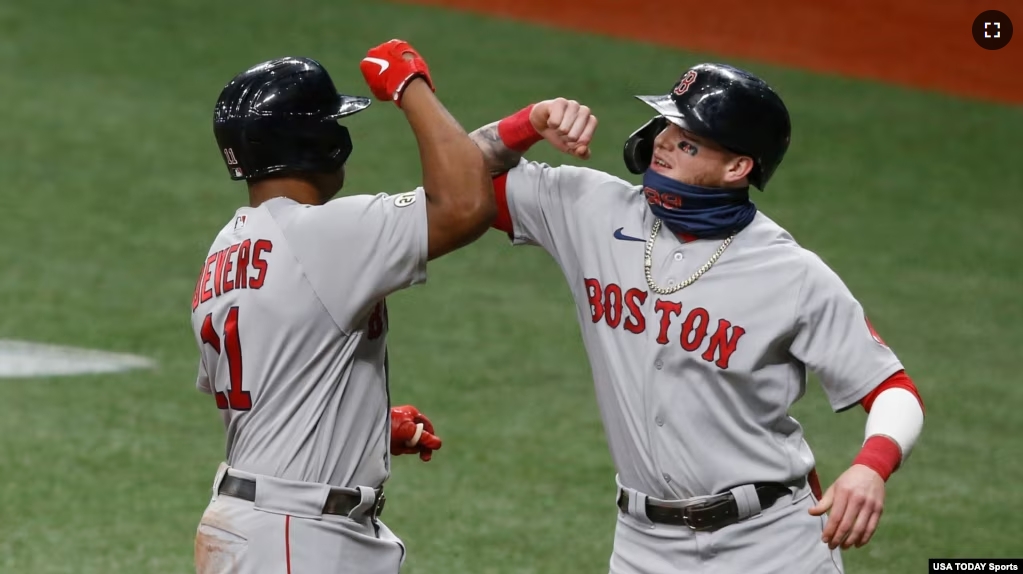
x: 738, y: 168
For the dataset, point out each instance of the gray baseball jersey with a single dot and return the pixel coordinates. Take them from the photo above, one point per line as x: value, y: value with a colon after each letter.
x: 291, y: 323
x: 694, y: 388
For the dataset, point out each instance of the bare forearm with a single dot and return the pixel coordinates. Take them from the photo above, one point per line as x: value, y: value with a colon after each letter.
x: 498, y: 157
x: 452, y: 167
x: 460, y: 202
x: 565, y: 124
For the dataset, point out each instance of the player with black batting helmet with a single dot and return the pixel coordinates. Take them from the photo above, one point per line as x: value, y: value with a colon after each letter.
x: 702, y: 317
x: 280, y: 117
x: 290, y: 318
x: 728, y: 106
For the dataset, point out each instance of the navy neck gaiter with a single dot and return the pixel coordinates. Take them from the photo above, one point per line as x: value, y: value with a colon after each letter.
x: 705, y: 212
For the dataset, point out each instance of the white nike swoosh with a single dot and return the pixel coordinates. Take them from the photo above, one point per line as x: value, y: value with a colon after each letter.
x: 382, y: 63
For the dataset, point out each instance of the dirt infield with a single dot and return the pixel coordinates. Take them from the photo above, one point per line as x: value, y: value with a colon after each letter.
x: 919, y: 43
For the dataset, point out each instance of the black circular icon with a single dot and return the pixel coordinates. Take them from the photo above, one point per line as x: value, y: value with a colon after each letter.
x: 992, y: 30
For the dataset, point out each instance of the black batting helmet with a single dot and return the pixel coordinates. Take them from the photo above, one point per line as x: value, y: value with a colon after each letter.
x: 724, y: 104
x: 281, y: 117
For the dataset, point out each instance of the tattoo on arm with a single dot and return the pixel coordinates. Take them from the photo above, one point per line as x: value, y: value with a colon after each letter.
x: 497, y: 156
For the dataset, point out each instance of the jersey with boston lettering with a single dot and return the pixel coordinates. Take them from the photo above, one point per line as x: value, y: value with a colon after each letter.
x: 290, y: 318
x: 694, y: 387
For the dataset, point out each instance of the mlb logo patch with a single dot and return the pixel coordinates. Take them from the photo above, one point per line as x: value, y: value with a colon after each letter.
x: 239, y: 222
x: 238, y: 172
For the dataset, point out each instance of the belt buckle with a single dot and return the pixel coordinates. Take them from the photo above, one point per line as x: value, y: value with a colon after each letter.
x: 690, y: 525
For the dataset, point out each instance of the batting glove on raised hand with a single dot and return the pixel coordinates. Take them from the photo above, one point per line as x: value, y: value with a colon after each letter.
x: 390, y: 67
x: 412, y: 432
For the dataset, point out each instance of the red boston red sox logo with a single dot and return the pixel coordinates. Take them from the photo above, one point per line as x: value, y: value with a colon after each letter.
x: 665, y: 200
x: 683, y: 84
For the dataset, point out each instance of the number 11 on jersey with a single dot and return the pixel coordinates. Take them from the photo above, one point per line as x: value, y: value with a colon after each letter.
x: 236, y: 398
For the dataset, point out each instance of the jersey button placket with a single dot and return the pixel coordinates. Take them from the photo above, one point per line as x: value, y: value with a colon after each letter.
x: 668, y: 268
x: 677, y: 256
x: 656, y: 414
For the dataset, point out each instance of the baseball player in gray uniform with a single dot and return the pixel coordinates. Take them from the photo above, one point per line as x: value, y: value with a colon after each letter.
x: 290, y: 317
x: 701, y: 318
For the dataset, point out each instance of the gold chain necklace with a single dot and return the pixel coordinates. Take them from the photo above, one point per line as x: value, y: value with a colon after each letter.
x: 648, y: 262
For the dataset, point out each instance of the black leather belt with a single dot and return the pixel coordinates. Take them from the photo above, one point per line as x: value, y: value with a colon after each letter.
x: 341, y: 503
x: 707, y: 516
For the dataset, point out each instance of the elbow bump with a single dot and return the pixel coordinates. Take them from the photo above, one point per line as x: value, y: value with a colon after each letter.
x: 469, y: 218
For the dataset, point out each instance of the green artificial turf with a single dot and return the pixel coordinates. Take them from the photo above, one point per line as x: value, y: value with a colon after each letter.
x: 111, y: 188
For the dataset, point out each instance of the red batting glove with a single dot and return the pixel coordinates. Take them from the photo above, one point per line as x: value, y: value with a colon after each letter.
x: 389, y: 67
x: 406, y: 423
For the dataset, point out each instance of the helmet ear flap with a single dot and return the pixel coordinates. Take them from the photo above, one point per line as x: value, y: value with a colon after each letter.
x: 639, y: 148
x: 343, y: 144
